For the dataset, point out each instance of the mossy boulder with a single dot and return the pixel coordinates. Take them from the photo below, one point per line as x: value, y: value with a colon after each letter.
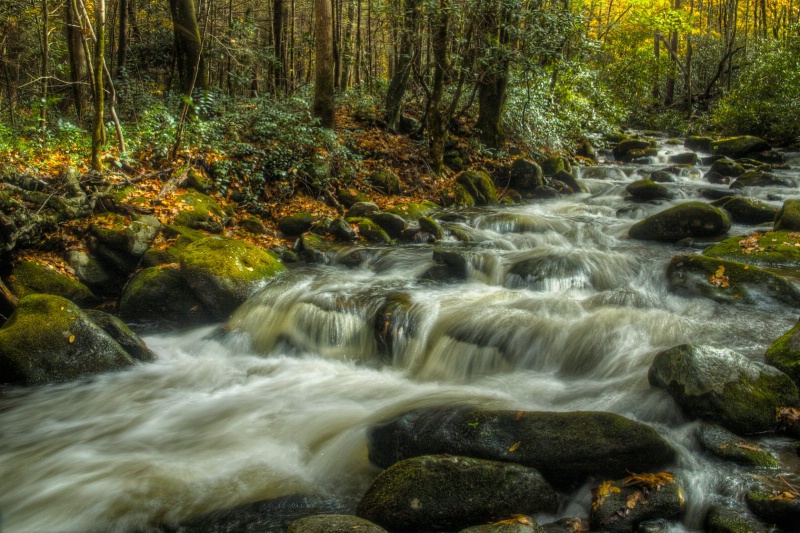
x: 689, y: 219
x: 392, y: 224
x: 341, y: 230
x: 371, y: 231
x: 414, y: 210
x: 121, y: 333
x: 564, y: 182
x: 49, y: 339
x: 386, y: 181
x: 662, y: 176
x: 785, y: 513
x: 619, y: 506
x: 788, y: 217
x: 565, y: 447
x: 684, y: 158
x: 479, y: 185
x: 586, y: 149
x: 200, y: 211
x: 630, y: 148
x: 777, y: 249
x: 698, y: 143
x: 361, y: 209
x: 459, y: 197
x: 161, y: 294
x: 726, y: 167
x: 758, y: 178
x: 525, y: 175
x: 254, y: 225
x: 522, y: 524
x: 448, y: 493
x: 32, y: 277
x: 225, y: 272
x: 737, y: 147
x: 297, y: 224
x: 722, y: 386
x: 727, y: 281
x: 333, y: 523
x: 746, y: 210
x: 430, y: 225
x: 552, y: 165
x: 784, y: 353
x: 645, y: 190
x: 721, y: 519
x: 721, y: 443
x: 349, y: 196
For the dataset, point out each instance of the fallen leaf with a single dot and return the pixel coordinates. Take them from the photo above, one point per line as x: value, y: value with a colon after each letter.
x: 600, y: 494
x: 515, y: 446
x: 71, y: 339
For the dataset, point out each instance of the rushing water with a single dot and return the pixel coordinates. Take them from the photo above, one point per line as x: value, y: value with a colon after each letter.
x: 279, y: 406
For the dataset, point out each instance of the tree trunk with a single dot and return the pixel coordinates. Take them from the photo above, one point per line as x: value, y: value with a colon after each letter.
x: 402, y: 71
x: 278, y: 17
x: 323, y: 107
x: 45, y: 65
x: 122, y: 46
x: 669, y: 93
x: 493, y: 83
x: 657, y: 81
x: 345, y: 48
x: 78, y: 72
x: 98, y: 134
x: 188, y: 46
x: 436, y: 121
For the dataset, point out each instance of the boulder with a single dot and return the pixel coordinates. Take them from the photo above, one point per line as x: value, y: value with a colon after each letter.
x: 349, y: 196
x: 788, y: 217
x: 224, y: 272
x: 689, y: 219
x: 430, y: 225
x: 161, y: 294
x: 342, y: 231
x: 297, y: 224
x: 414, y: 210
x: 602, y: 173
x: 395, y: 321
x: 620, y: 506
x: 121, y: 333
x: 254, y: 225
x: 746, y: 210
x: 459, y: 197
x: 525, y: 175
x: 32, y: 277
x: 630, y: 147
x: 698, y: 143
x: 552, y: 165
x: 776, y: 249
x: 122, y: 245
x: 684, y: 158
x: 727, y: 167
x: 480, y: 186
x: 645, y: 190
x: 49, y: 339
x: 361, y: 209
x: 773, y: 509
x: 200, y: 211
x: 97, y: 277
x: 566, y: 183
x: 716, y: 178
x: 517, y: 524
x: 392, y: 224
x: 737, y: 147
x: 586, y: 149
x: 784, y: 353
x: 722, y: 443
x: 757, y: 178
x: 449, y: 493
x: 566, y: 525
x: 372, y: 231
x: 565, y: 447
x: 721, y: 519
x: 333, y: 523
x: 723, y: 386
x: 385, y: 181
x: 662, y: 176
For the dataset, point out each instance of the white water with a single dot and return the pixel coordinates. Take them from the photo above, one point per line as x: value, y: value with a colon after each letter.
x: 280, y: 407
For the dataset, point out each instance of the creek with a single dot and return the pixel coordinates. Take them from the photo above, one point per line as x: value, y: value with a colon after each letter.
x: 279, y: 406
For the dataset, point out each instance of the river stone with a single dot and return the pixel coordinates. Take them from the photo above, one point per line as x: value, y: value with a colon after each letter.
x: 698, y: 143
x: 777, y: 249
x: 723, y: 386
x: 570, y: 184
x: 341, y: 230
x: 757, y: 178
x: 441, y: 492
x: 721, y: 519
x: 49, y: 339
x: 684, y: 158
x: 737, y: 147
x: 630, y: 147
x: 662, y: 176
x: 783, y: 512
x: 121, y: 333
x: 297, y: 224
x: 333, y: 523
x: 161, y: 294
x: 746, y: 210
x: 522, y: 524
x: 645, y: 190
x: 565, y: 447
x: 361, y: 209
x: 726, y: 167
x: 525, y: 175
x: 480, y: 186
x: 622, y: 505
x: 552, y: 165
x: 385, y: 181
x: 722, y: 443
x: 392, y: 224
x: 96, y: 276
x: 430, y: 225
x: 784, y: 353
x: 414, y: 210
x: 586, y: 149
x: 788, y: 217
x: 689, y: 219
x: 200, y: 211
x: 225, y: 272
x: 349, y: 196
x: 32, y: 277
x: 566, y: 525
x: 602, y: 173
x: 371, y: 231
x: 395, y: 322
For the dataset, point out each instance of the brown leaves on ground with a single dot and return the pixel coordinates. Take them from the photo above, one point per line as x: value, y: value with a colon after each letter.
x: 751, y: 244
x: 719, y: 279
x: 649, y: 481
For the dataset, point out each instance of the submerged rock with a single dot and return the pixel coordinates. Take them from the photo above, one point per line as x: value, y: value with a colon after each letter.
x: 690, y: 219
x: 620, y: 506
x: 448, y: 493
x: 565, y: 447
x: 722, y: 443
x: 722, y: 386
x: 757, y: 178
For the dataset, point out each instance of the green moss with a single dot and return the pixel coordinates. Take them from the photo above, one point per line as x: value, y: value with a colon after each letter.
x: 30, y: 277
x: 480, y: 186
x: 199, y: 211
x: 784, y: 353
x: 414, y: 210
x: 788, y: 218
x: 229, y: 258
x: 736, y: 147
x: 777, y: 249
x: 461, y: 197
x: 372, y: 231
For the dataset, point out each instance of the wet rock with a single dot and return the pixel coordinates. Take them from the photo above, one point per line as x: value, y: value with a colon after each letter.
x: 722, y: 386
x: 775, y: 249
x: 620, y: 506
x: 314, y: 248
x: 552, y: 165
x: 392, y: 224
x: 448, y: 493
x: 629, y: 148
x: 784, y: 353
x: 566, y: 525
x: 690, y: 219
x: 520, y: 524
x: 565, y: 447
x: 602, y: 173
x: 645, y: 190
x: 716, y: 194
x: 297, y: 224
x: 32, y: 277
x: 480, y: 186
x: 722, y: 443
x: 97, y: 277
x: 199, y: 211
x: 361, y: 209
x: 698, y: 143
x: 161, y: 294
x: 721, y: 519
x: 548, y: 272
x: 371, y: 231
x: 788, y: 217
x: 717, y: 179
x: 543, y: 193
x: 661, y: 176
x: 568, y: 183
x: 121, y: 333
x: 350, y: 196
x: 430, y: 225
x: 746, y: 210
x: 757, y: 178
x: 333, y: 523
x: 685, y: 158
x: 773, y: 509
x: 224, y: 272
x: 395, y: 321
x: 586, y: 149
x: 736, y: 147
x: 726, y: 167
x: 49, y: 339
x: 341, y: 230
x: 414, y: 210
x: 525, y: 175
x: 386, y: 181
x: 659, y: 525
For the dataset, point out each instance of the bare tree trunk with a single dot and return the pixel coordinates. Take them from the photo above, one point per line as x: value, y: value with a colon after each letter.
x: 345, y: 48
x: 98, y: 133
x: 323, y: 107
x: 657, y: 81
x: 278, y: 17
x: 493, y: 83
x: 78, y: 71
x: 188, y: 46
x: 45, y: 65
x: 402, y: 72
x: 357, y: 68
x: 672, y: 74
x: 436, y: 121
x: 122, y: 46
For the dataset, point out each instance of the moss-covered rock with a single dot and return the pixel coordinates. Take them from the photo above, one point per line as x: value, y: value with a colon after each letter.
x: 684, y: 158
x: 200, y: 211
x: 99, y: 278
x: 448, y: 493
x: 361, y: 209
x: 689, y: 219
x: 645, y: 190
x: 224, y: 272
x: 698, y: 143
x: 480, y: 186
x: 565, y: 183
x: 429, y: 225
x: 161, y: 294
x: 349, y: 196
x: 721, y: 519
x: 371, y: 231
x: 788, y: 217
x: 297, y: 224
x: 414, y: 210
x: 662, y: 176
x: 727, y: 167
x: 746, y: 210
x: 32, y: 277
x: 736, y: 147
x: 386, y: 181
x: 392, y: 224
x: 620, y: 506
x: 333, y: 523
x: 630, y: 148
x: 722, y: 443
x: 785, y: 513
x: 460, y: 196
x: 49, y: 339
x: 341, y: 230
x: 722, y: 386
x: 525, y: 175
x: 121, y: 333
x: 552, y: 165
x: 565, y: 447
x: 784, y: 353
x: 757, y: 178
x: 521, y: 524
x: 254, y: 225
x: 778, y: 249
